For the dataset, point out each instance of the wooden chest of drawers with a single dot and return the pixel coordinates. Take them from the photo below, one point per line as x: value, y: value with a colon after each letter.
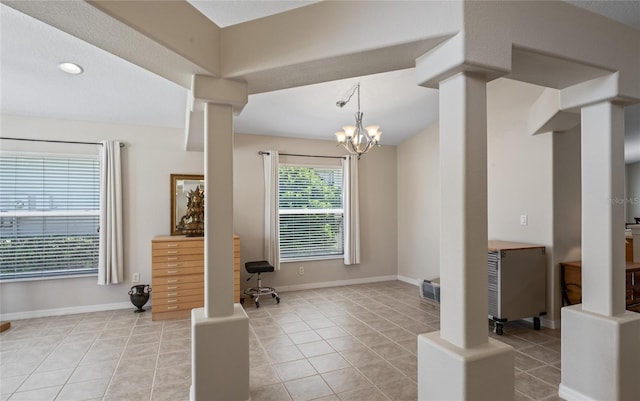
x: 178, y: 275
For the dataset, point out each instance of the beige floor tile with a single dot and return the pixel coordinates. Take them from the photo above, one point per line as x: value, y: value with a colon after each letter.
x: 320, y: 323
x: 329, y: 362
x: 294, y: 370
x: 263, y: 376
x: 364, y: 394
x: 172, y: 392
x: 308, y: 388
x: 371, y: 326
x: 304, y: 337
x: 407, y: 365
x: 381, y: 372
x: 345, y: 343
x: 361, y: 357
x: 400, y: 390
x: 174, y: 358
x: 41, y: 394
x: 92, y: 372
x: 173, y: 374
x: 46, y: 379
x: 284, y: 354
x: 85, y: 390
x: 534, y: 387
x: 315, y: 348
x: 331, y: 332
x: 11, y: 384
x: 548, y: 374
x: 345, y: 380
x: 391, y: 350
x: 275, y: 342
x: 275, y: 392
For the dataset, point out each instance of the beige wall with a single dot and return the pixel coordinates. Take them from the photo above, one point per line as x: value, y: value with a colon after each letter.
x: 567, y: 209
x: 520, y: 181
x: 378, y: 217
x: 150, y: 156
x: 419, y: 206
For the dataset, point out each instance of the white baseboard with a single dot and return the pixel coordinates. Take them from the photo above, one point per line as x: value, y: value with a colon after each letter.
x: 414, y: 281
x: 567, y: 393
x: 544, y: 322
x: 551, y: 324
x: 65, y: 311
x: 325, y: 284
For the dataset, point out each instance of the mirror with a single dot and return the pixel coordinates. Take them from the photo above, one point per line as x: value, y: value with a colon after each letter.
x: 181, y: 184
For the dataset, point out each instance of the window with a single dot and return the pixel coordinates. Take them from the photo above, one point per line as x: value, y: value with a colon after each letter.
x: 311, y: 212
x: 49, y: 216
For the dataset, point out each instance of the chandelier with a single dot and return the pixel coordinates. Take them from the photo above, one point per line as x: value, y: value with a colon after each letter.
x: 356, y: 139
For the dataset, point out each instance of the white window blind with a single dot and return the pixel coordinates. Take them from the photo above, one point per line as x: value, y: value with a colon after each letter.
x: 311, y: 212
x: 49, y: 216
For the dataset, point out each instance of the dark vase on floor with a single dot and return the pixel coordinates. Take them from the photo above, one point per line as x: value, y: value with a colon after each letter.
x: 139, y: 295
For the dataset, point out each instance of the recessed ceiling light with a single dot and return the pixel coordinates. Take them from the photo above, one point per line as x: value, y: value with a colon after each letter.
x: 70, y: 68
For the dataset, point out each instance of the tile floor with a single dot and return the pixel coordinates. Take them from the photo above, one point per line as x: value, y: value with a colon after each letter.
x: 343, y: 343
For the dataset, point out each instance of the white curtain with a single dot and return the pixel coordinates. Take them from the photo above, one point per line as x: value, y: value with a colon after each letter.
x: 111, y: 257
x: 351, y: 210
x: 271, y: 199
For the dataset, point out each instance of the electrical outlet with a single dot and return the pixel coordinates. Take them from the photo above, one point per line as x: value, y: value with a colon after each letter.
x: 524, y: 220
x: 301, y: 270
x: 135, y: 278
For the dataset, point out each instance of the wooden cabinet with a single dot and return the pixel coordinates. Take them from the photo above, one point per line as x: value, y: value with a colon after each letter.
x: 177, y: 271
x: 571, y: 283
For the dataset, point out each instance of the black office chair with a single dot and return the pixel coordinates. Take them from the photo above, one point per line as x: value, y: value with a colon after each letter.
x: 637, y: 219
x: 259, y: 267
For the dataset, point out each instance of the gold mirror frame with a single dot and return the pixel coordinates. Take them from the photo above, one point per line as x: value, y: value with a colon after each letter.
x: 178, y: 196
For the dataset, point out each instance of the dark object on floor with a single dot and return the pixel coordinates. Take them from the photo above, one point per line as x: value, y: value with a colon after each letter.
x: 637, y: 219
x: 431, y: 289
x: 139, y: 295
x: 259, y: 267
x: 4, y: 326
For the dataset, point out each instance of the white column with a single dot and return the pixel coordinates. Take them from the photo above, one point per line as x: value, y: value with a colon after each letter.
x: 218, y: 226
x: 600, y: 340
x: 220, y: 330
x: 461, y: 362
x: 603, y: 262
x: 463, y: 221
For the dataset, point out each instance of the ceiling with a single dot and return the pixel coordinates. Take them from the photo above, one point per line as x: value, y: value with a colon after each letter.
x: 116, y: 91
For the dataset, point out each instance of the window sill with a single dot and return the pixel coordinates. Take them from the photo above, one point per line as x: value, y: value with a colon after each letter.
x: 20, y: 280
x: 311, y: 259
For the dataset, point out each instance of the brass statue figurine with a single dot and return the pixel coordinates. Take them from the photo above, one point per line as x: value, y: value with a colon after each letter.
x: 192, y: 223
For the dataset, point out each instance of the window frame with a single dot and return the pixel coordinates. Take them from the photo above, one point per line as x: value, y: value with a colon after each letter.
x: 336, y: 211
x: 52, y: 274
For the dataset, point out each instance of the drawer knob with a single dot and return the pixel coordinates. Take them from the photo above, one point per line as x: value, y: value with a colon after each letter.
x: 172, y: 301
x: 172, y: 265
x: 172, y: 252
x: 174, y: 294
x: 172, y: 288
x: 172, y: 271
x: 172, y: 245
x: 173, y: 307
x: 172, y: 281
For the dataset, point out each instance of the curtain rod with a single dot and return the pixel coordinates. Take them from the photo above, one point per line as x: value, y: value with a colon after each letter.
x: 262, y: 152
x: 54, y: 141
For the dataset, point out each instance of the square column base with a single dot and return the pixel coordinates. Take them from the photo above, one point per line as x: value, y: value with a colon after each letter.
x: 446, y: 372
x: 600, y: 355
x: 220, y: 356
